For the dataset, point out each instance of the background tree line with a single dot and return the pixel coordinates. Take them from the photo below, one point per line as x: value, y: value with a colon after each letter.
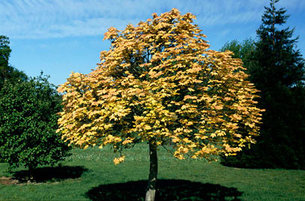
x: 276, y: 68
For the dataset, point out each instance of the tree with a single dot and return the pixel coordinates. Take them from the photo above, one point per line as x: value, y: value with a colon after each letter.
x: 159, y: 83
x: 5, y: 50
x: 244, y: 50
x: 6, y: 71
x: 277, y: 57
x: 277, y: 70
x: 28, y: 124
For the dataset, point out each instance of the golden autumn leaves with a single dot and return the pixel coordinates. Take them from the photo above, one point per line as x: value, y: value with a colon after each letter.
x: 159, y: 82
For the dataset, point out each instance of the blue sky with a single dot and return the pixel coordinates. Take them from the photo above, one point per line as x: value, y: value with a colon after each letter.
x: 61, y: 36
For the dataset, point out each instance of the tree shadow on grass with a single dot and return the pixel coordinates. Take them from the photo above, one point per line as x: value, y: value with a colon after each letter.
x: 50, y: 174
x: 168, y: 190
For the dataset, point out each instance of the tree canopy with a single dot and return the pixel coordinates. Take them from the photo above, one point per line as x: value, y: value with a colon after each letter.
x: 159, y: 82
x: 28, y: 123
x: 244, y: 50
x: 277, y: 57
x: 7, y: 72
x: 5, y: 50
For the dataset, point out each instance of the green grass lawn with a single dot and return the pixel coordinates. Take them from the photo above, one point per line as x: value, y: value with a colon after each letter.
x: 91, y: 175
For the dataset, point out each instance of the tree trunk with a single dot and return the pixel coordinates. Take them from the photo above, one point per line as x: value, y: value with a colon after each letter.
x: 30, y: 173
x: 153, y: 172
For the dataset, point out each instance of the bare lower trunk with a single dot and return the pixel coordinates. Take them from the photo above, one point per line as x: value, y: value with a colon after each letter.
x: 30, y: 173
x: 153, y: 173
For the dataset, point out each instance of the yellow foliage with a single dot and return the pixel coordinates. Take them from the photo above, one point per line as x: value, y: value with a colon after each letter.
x: 159, y: 81
x: 127, y: 141
x: 119, y: 160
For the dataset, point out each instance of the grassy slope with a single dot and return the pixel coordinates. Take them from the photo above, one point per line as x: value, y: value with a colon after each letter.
x: 216, y: 181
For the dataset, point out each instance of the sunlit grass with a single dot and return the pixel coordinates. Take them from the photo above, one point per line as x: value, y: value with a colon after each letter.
x: 252, y: 184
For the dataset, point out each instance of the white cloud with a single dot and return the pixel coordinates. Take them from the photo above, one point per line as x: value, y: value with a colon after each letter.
x: 63, y: 18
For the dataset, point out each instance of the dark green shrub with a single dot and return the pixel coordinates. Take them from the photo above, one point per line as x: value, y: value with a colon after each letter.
x: 28, y: 123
